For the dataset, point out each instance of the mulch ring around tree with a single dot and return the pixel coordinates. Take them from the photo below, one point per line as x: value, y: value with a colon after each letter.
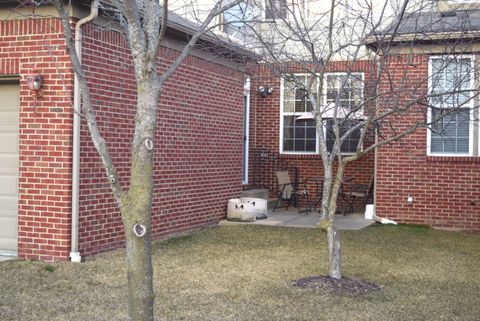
x: 343, y: 286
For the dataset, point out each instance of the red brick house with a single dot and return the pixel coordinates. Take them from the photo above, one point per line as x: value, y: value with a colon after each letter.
x: 199, y: 143
x: 200, y: 137
x: 430, y: 177
x: 433, y: 176
x: 292, y: 144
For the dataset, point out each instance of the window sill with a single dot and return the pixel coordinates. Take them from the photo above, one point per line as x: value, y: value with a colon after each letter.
x: 453, y: 159
x: 308, y: 156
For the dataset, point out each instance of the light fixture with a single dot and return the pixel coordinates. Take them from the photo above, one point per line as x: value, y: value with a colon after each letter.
x: 35, y: 83
x: 265, y: 91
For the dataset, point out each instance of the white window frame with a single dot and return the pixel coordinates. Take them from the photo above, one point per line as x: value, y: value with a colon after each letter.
x: 471, y: 106
x: 324, y: 101
x: 362, y: 74
x: 222, y: 28
x: 282, y: 114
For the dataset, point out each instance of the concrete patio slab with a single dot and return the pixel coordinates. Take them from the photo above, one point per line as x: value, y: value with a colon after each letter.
x: 291, y: 218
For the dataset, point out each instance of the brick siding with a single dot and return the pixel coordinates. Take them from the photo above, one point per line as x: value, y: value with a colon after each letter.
x: 198, y: 142
x: 446, y: 190
x: 265, y: 127
x: 45, y: 137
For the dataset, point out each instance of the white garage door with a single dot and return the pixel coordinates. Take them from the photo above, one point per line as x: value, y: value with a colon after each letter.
x: 9, y: 115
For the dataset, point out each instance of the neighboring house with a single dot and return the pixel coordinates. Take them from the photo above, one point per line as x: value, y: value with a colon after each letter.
x: 433, y: 176
x: 198, y: 162
x: 430, y: 177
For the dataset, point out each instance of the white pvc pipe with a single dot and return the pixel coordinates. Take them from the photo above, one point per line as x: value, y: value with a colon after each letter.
x: 74, y: 253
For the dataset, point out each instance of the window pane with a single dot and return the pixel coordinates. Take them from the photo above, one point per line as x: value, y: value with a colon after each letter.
x: 289, y: 106
x: 350, y: 143
x: 310, y: 144
x: 344, y: 90
x: 300, y: 97
x: 450, y: 82
x: 451, y: 133
x: 288, y: 96
x: 298, y: 136
x: 287, y: 144
x: 300, y: 132
x: 299, y: 145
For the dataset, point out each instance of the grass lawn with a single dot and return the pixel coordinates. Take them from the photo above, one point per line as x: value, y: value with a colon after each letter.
x: 246, y: 273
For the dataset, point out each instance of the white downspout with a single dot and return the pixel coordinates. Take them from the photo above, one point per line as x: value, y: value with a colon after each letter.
x: 74, y: 253
x: 375, y: 217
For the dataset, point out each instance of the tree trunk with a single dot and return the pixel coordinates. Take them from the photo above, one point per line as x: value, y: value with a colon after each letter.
x: 140, y: 278
x: 139, y: 271
x: 137, y: 206
x: 335, y: 252
x: 333, y: 236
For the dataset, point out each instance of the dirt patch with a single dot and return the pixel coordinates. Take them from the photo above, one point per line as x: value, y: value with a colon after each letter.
x: 344, y: 286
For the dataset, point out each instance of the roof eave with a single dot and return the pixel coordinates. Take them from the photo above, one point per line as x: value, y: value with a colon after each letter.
x: 376, y: 41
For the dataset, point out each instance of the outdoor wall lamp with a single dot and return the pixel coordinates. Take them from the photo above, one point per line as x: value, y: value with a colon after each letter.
x: 35, y: 83
x: 265, y: 91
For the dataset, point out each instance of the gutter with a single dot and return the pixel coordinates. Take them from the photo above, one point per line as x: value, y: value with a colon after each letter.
x: 74, y: 253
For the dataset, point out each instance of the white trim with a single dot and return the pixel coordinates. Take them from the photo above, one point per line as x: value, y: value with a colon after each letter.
x: 280, y: 145
x: 362, y: 74
x: 246, y: 122
x: 340, y: 73
x: 282, y: 114
x: 323, y: 99
x: 471, y: 106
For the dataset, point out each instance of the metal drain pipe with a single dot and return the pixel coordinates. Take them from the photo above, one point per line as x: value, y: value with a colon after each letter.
x: 74, y: 253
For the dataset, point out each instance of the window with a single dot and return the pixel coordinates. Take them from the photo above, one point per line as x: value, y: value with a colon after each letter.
x: 349, y: 145
x: 450, y: 91
x: 300, y: 136
x: 234, y: 20
x: 275, y: 9
x: 345, y: 90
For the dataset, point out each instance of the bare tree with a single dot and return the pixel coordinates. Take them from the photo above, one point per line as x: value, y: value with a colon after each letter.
x: 377, y: 110
x: 145, y: 24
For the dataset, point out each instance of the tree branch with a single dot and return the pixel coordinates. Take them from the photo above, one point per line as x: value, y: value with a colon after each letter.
x: 87, y: 107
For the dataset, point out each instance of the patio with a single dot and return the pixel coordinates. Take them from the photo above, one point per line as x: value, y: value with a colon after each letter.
x: 291, y: 218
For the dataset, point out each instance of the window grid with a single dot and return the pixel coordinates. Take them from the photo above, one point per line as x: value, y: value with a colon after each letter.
x: 300, y: 137
x: 449, y: 78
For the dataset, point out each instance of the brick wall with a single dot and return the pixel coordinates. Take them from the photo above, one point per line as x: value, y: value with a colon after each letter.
x: 265, y: 127
x: 198, y: 141
x: 446, y: 190
x: 44, y: 138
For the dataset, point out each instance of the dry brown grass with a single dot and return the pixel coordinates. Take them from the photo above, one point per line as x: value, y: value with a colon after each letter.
x: 246, y: 273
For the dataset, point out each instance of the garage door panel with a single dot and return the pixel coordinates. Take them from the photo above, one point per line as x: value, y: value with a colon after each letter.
x: 8, y: 202
x: 8, y: 122
x: 8, y: 164
x: 9, y: 244
x: 8, y: 227
x: 9, y: 116
x: 8, y: 144
x: 9, y: 186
